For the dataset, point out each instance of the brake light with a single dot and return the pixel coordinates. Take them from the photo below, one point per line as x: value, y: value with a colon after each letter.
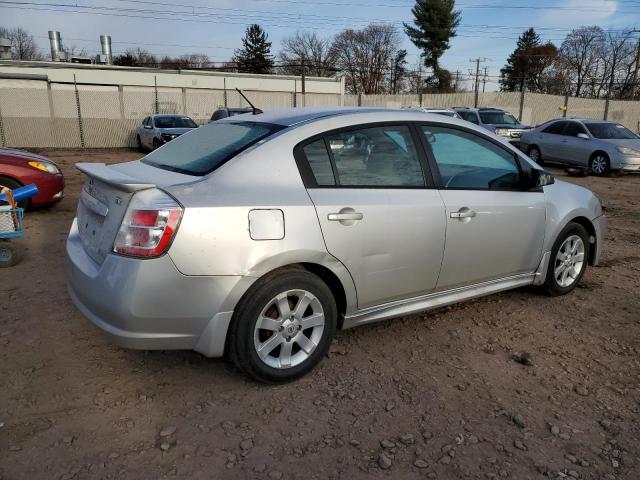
x: 149, y: 225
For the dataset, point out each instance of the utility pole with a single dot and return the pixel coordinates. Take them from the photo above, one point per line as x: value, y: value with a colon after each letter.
x: 484, y: 79
x: 477, y: 81
x: 457, y: 80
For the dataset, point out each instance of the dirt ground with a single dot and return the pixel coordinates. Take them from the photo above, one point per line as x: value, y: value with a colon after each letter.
x: 436, y: 395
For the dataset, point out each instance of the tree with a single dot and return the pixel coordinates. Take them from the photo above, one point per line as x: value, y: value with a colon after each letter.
x: 581, y: 51
x: 435, y: 23
x: 527, y: 66
x: 398, y: 71
x: 364, y: 57
x: 136, y: 58
x: 23, y: 45
x: 319, y: 58
x: 255, y: 54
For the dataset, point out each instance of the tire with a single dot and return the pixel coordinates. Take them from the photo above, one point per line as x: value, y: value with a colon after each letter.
x: 156, y: 144
x: 13, y: 184
x: 9, y: 255
x: 535, y: 155
x: 564, y: 273
x: 139, y: 144
x: 281, y: 341
x: 599, y: 164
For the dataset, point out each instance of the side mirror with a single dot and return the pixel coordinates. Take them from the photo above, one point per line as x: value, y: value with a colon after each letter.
x: 583, y: 136
x: 540, y: 178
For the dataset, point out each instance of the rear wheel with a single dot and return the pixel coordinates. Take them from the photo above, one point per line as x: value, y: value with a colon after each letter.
x: 283, y: 327
x: 599, y: 164
x: 535, y: 155
x: 9, y: 255
x: 156, y: 143
x: 13, y: 184
x: 568, y: 260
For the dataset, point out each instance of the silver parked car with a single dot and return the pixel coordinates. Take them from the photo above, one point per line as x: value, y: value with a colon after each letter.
x: 258, y: 236
x: 597, y: 145
x: 156, y: 130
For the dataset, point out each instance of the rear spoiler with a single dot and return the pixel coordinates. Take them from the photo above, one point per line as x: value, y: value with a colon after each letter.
x: 121, y: 181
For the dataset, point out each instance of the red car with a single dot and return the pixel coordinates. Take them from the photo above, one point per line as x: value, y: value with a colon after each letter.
x: 18, y: 168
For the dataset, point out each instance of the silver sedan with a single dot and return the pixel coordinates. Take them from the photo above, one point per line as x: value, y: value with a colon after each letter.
x: 596, y: 145
x: 156, y: 130
x: 257, y: 236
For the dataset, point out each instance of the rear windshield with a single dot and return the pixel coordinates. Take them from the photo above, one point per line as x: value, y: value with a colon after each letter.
x: 498, y: 118
x: 610, y: 130
x: 204, y: 149
x: 174, y: 122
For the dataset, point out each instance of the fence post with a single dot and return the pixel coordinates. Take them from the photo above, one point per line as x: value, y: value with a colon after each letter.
x: 121, y: 100
x: 3, y: 140
x: 155, y: 90
x: 80, y: 126
x: 294, y: 99
x: 184, y: 100
x: 522, y: 93
x: 52, y: 114
x: 359, y: 99
x: 224, y: 90
x: 606, y: 108
x: 566, y: 105
x: 420, y: 98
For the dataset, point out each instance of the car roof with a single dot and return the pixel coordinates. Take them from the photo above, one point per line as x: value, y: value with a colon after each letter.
x: 158, y: 115
x: 583, y: 120
x: 292, y: 116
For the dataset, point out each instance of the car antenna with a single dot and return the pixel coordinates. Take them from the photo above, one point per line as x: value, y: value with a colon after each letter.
x: 256, y: 111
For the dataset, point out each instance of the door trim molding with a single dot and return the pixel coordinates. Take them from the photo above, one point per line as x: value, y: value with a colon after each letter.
x: 434, y: 300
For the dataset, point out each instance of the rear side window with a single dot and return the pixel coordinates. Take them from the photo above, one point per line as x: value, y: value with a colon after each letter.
x: 320, y: 163
x: 376, y: 157
x: 468, y: 161
x: 555, y: 128
x: 469, y: 117
x: 204, y: 149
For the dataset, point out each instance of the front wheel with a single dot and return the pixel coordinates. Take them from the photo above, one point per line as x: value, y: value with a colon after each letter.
x: 568, y: 260
x: 9, y: 255
x: 599, y: 164
x: 282, y: 327
x: 535, y: 155
x: 156, y: 144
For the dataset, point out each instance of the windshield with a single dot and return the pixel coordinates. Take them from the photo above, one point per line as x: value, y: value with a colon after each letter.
x: 610, y: 130
x: 174, y: 122
x: 498, y: 118
x: 203, y: 150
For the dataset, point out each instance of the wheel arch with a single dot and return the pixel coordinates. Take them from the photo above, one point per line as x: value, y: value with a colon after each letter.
x: 591, y: 231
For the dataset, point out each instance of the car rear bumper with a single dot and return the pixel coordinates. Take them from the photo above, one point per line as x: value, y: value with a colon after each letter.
x: 149, y: 304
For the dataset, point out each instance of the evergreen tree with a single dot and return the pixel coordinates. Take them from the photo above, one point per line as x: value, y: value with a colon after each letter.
x: 527, y: 63
x: 255, y: 54
x: 435, y: 23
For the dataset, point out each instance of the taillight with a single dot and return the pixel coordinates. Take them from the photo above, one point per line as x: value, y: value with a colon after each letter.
x: 149, y: 225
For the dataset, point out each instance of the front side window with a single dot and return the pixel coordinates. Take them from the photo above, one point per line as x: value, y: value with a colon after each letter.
x: 498, y: 118
x: 204, y: 149
x: 468, y: 161
x: 376, y: 157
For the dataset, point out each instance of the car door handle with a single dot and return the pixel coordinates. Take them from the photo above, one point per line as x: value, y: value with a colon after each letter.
x: 341, y: 217
x: 463, y: 213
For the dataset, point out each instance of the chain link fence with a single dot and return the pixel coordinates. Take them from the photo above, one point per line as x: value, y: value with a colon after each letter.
x: 41, y: 114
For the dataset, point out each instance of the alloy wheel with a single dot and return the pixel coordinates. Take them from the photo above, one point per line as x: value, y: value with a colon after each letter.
x: 289, y: 329
x: 569, y: 261
x: 534, y: 154
x: 599, y: 164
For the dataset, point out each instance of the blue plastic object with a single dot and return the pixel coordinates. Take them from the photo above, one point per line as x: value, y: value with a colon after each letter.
x: 22, y: 193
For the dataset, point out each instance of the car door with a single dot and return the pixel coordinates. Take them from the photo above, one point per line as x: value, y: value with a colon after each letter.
x: 377, y: 209
x: 576, y: 150
x: 550, y: 140
x: 495, y: 228
x: 147, y: 132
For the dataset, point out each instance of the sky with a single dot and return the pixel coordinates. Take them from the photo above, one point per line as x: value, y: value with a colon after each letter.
x: 488, y: 28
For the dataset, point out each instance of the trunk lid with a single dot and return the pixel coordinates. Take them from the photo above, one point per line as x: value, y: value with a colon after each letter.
x: 105, y: 196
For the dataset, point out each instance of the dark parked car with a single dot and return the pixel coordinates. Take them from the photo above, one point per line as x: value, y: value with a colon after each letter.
x: 18, y: 168
x: 229, y: 112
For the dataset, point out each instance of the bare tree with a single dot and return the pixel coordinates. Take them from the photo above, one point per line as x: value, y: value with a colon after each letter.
x: 364, y: 56
x: 136, y: 58
x: 23, y: 45
x: 581, y: 51
x: 618, y: 64
x: 318, y: 56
